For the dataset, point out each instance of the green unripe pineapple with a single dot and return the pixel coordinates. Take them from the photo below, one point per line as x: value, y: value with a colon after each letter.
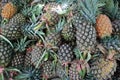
x: 5, y: 53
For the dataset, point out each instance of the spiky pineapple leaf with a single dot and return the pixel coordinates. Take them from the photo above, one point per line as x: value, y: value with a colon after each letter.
x: 89, y: 9
x: 4, y: 38
x: 111, y: 8
x: 1, y: 76
x: 22, y: 44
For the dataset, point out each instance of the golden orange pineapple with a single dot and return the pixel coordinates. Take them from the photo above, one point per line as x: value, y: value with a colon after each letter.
x: 103, y: 26
x: 8, y: 10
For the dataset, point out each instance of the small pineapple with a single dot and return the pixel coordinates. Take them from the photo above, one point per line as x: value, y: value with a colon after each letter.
x: 20, y: 48
x: 8, y: 10
x: 76, y: 67
x: 18, y: 19
x: 11, y: 31
x: 48, y: 70
x: 79, y: 67
x: 51, y: 18
x: 37, y: 53
x: 85, y: 31
x: 68, y: 32
x: 65, y: 53
x: 113, y: 12
x: 6, y: 52
x: 103, y: 26
x: 53, y: 37
x: 32, y: 57
x: 103, y: 69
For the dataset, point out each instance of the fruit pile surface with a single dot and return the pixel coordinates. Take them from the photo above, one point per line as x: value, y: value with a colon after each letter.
x: 59, y: 39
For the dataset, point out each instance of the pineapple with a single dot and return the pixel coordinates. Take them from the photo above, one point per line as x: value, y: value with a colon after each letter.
x: 48, y: 70
x: 11, y: 31
x: 79, y: 67
x: 102, y: 68
x: 51, y: 18
x: 68, y: 32
x: 65, y: 53
x: 37, y: 53
x: 103, y: 26
x: 75, y: 68
x: 20, y: 48
x: 85, y: 31
x: 32, y: 57
x: 53, y: 40
x: 6, y: 52
x: 8, y: 10
x: 113, y: 12
x: 53, y: 37
x: 18, y: 19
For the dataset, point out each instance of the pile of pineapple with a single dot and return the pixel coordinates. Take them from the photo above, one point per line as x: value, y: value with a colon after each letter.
x: 59, y: 40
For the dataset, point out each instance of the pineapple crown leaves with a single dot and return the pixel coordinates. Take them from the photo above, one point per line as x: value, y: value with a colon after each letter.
x: 111, y: 7
x: 85, y: 67
x: 29, y: 28
x: 112, y: 43
x: 33, y: 12
x: 22, y: 44
x: 81, y: 55
x: 60, y: 24
x: 29, y: 73
x: 5, y: 39
x: 89, y: 9
x: 7, y: 70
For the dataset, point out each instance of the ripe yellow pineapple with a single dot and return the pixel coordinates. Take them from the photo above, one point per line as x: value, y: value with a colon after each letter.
x: 103, y: 69
x: 103, y: 26
x: 8, y: 10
